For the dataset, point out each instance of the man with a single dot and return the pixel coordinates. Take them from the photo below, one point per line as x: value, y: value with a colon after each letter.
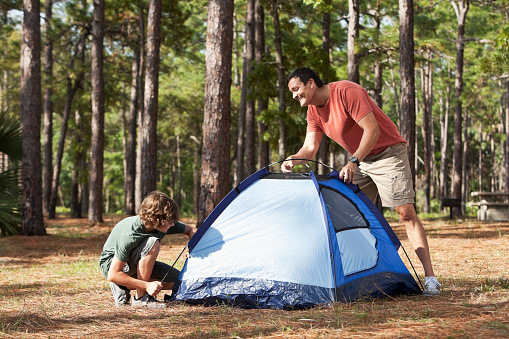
x: 128, y: 260
x: 379, y: 164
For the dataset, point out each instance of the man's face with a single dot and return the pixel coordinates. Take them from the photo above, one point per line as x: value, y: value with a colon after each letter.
x: 301, y: 92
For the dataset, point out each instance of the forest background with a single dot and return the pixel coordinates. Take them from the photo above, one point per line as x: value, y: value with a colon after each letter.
x: 126, y: 101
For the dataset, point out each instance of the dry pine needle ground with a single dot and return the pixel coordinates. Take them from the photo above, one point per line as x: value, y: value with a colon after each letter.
x: 51, y: 287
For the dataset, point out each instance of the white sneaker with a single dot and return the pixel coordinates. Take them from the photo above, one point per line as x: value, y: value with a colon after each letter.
x: 431, y: 286
x: 148, y: 301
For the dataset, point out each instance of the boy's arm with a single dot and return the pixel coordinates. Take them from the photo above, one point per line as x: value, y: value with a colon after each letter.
x: 190, y: 231
x: 117, y: 276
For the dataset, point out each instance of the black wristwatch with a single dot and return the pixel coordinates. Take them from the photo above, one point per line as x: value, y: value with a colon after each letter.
x: 355, y: 160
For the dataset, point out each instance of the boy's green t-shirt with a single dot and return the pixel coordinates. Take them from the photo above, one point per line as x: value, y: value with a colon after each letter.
x: 125, y: 237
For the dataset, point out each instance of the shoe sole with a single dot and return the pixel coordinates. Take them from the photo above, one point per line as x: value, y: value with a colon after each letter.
x: 431, y: 293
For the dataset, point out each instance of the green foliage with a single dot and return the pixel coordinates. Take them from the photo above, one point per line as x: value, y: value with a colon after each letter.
x: 10, y: 144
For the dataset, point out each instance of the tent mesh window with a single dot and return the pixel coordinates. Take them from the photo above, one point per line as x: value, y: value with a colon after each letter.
x: 357, y: 245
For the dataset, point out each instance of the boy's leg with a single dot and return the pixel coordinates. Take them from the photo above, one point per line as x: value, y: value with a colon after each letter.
x: 146, y: 262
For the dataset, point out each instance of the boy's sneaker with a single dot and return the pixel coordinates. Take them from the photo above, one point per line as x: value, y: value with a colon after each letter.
x: 121, y: 294
x: 148, y: 301
x: 431, y: 286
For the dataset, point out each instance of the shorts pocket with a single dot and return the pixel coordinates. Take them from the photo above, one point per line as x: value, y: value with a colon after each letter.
x: 402, y: 188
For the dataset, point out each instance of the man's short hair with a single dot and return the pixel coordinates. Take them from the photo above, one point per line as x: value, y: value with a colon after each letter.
x: 158, y: 209
x: 304, y: 74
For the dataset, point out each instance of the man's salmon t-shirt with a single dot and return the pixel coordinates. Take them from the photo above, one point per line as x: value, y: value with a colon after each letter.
x: 348, y: 103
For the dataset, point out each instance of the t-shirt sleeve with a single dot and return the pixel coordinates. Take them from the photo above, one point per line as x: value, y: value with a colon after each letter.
x: 311, y: 119
x: 357, y: 103
x: 177, y: 228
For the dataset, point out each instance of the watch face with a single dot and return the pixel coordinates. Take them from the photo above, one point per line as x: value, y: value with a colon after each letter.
x: 354, y: 160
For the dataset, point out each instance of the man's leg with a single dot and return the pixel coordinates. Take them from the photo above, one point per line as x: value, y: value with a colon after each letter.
x: 416, y: 236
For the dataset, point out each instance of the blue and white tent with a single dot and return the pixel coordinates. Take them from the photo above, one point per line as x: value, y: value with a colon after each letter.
x: 292, y: 240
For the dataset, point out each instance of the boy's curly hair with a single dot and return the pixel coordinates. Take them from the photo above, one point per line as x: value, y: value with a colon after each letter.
x: 158, y: 209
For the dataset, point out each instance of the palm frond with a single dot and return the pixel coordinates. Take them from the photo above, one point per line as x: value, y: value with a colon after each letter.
x: 10, y: 136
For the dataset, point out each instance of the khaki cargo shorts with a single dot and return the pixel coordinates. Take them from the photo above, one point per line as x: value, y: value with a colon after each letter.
x: 389, y: 175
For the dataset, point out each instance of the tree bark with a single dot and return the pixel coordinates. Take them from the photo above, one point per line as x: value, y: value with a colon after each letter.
x: 407, y: 78
x: 461, y: 10
x: 31, y: 175
x: 323, y: 150
x: 444, y: 127
x: 216, y: 122
x: 149, y: 137
x: 281, y: 81
x: 353, y: 36
x: 141, y: 109
x: 71, y: 91
x: 77, y: 185
x: 250, y: 103
x: 47, y: 171
x: 95, y: 206
x: 426, y: 129
x: 507, y: 136
x: 263, y: 101
x: 130, y: 155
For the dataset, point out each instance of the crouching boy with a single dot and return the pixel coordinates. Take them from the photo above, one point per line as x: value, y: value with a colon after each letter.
x: 128, y: 260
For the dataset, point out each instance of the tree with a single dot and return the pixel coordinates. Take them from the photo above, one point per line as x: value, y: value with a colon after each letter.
x: 95, y: 213
x: 216, y: 122
x: 48, y: 110
x: 130, y: 153
x: 263, y: 101
x: 461, y: 10
x: 149, y: 135
x: 32, y: 220
x: 281, y: 81
x: 353, y: 36
x: 250, y: 103
x: 407, y: 79
x: 71, y: 91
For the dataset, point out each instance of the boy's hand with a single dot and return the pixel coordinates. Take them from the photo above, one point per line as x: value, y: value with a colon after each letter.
x: 154, y: 287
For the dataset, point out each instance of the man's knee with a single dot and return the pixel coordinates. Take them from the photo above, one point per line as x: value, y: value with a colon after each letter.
x: 406, y: 213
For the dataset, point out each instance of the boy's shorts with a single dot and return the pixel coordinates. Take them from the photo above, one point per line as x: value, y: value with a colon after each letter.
x: 160, y: 269
x: 389, y: 175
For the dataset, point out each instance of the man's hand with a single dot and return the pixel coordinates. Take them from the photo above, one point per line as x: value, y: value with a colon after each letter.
x: 348, y: 172
x: 286, y: 166
x: 154, y: 287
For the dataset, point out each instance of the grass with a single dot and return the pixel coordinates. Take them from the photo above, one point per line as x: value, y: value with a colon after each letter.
x: 51, y: 287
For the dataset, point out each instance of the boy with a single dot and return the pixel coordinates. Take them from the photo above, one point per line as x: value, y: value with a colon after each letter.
x: 128, y: 260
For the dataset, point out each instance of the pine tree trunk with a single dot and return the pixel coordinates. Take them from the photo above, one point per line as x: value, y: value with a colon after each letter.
x: 149, y: 137
x: 47, y: 171
x: 263, y: 102
x: 281, y: 81
x: 141, y: 109
x: 79, y: 165
x: 353, y: 35
x: 323, y: 150
x: 95, y: 212
x: 130, y: 155
x: 444, y: 124
x: 464, y: 165
x: 461, y: 10
x: 250, y: 103
x: 507, y: 137
x: 426, y: 135
x: 30, y: 96
x: 71, y: 91
x: 216, y: 122
x: 407, y: 78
